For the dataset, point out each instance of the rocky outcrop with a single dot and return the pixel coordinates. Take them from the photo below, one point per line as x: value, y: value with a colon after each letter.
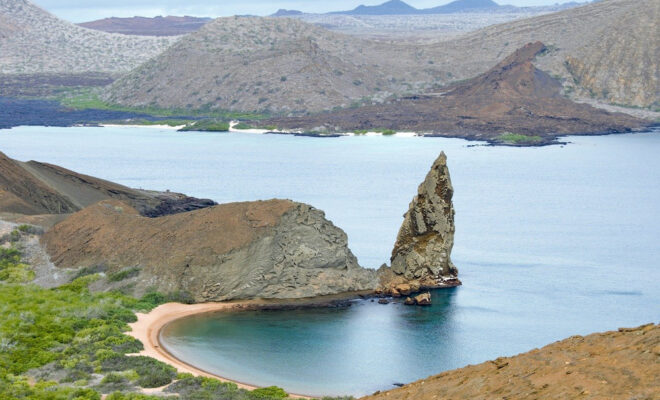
x: 423, y: 299
x: 33, y: 188
x: 267, y: 249
x: 421, y: 257
x: 617, y: 365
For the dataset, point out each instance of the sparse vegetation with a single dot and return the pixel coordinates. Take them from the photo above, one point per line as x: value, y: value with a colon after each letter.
x: 89, y: 99
x: 124, y: 274
x: 516, y: 138
x: 53, y: 341
x: 211, y: 125
x: 11, y: 268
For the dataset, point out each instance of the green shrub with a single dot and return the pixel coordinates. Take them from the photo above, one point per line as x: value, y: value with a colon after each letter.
x: 132, y: 396
x: 124, y: 274
x: 272, y: 392
x: 30, y: 229
x: 9, y: 257
x: 206, y: 125
x: 152, y: 373
x: 516, y: 138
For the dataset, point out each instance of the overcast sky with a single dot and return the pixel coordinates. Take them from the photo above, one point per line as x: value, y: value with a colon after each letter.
x: 87, y: 10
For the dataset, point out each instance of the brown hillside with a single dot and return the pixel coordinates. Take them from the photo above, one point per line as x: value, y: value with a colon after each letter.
x: 514, y: 96
x: 613, y: 365
x: 21, y: 192
x: 113, y: 233
x: 38, y: 188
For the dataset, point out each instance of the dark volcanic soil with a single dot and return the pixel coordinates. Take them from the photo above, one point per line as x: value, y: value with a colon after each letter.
x: 513, y: 97
x: 41, y: 85
x: 19, y: 112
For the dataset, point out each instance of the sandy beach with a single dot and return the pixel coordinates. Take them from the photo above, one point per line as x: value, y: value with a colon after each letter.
x: 147, y: 328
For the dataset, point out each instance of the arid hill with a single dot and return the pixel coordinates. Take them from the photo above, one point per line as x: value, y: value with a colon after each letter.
x: 33, y: 188
x: 38, y: 42
x: 143, y: 26
x: 284, y: 66
x: 513, y: 97
x: 276, y: 64
x: 619, y: 365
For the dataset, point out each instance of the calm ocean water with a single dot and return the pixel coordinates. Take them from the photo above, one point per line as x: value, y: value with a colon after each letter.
x: 551, y: 242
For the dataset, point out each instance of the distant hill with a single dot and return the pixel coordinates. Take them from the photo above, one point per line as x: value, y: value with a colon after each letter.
x: 286, y: 13
x: 392, y: 7
x: 35, y: 41
x: 288, y: 66
x: 275, y: 64
x: 463, y: 6
x: 157, y: 26
x: 398, y: 7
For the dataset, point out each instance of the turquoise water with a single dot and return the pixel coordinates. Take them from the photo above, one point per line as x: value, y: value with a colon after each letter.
x: 550, y: 242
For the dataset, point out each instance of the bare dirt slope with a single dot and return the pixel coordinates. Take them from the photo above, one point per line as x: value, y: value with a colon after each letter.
x: 284, y: 65
x: 39, y: 42
x: 613, y: 365
x: 512, y: 97
x: 143, y: 26
x: 33, y: 188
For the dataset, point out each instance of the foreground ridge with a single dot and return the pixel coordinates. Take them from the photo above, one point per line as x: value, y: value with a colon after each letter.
x: 613, y: 365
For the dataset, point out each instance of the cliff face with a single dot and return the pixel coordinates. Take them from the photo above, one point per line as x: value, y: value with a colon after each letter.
x: 422, y: 252
x: 270, y: 249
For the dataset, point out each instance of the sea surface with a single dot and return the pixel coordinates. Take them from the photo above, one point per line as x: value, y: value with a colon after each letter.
x: 550, y: 242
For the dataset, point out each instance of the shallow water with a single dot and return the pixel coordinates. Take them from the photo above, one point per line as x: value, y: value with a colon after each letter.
x: 550, y: 242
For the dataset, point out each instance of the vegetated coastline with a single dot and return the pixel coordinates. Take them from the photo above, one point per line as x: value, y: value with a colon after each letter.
x: 427, y: 231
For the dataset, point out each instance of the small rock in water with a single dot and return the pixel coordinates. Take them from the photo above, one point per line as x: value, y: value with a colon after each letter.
x: 423, y: 299
x: 383, y: 301
x: 409, y: 301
